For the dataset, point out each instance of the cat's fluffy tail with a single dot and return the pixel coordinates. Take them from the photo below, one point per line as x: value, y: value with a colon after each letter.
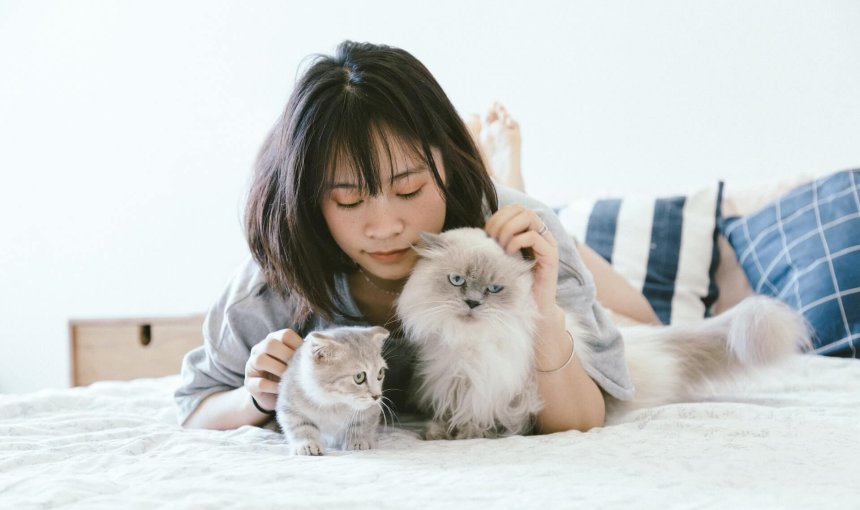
x: 668, y: 363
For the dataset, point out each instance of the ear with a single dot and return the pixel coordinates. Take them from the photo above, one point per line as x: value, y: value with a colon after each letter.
x: 526, y: 266
x: 430, y: 242
x: 379, y: 334
x: 322, y: 346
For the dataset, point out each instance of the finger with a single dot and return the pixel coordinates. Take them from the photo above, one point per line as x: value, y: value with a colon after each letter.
x: 267, y: 363
x: 275, y: 348
x: 500, y: 218
x: 544, y: 252
x: 524, y: 221
x: 288, y: 337
x: 261, y: 385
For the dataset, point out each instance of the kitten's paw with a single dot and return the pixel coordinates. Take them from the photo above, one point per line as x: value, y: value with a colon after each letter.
x: 360, y: 444
x: 308, y: 447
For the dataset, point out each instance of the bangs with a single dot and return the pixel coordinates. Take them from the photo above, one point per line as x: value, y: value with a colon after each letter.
x: 354, y: 118
x: 362, y: 151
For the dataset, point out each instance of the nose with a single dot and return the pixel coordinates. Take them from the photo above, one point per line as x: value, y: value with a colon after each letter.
x: 472, y: 303
x: 376, y: 397
x: 382, y: 222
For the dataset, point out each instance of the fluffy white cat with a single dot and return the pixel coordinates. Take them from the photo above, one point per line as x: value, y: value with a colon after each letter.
x: 468, y: 307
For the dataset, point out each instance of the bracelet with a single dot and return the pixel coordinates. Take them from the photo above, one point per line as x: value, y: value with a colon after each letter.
x: 257, y: 405
x: 566, y: 363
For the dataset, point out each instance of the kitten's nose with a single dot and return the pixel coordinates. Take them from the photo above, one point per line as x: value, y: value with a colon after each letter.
x: 472, y: 303
x: 375, y: 397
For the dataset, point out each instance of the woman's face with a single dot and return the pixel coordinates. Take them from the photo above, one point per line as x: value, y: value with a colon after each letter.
x: 377, y: 232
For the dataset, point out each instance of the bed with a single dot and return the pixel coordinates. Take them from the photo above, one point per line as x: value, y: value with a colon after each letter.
x: 783, y: 438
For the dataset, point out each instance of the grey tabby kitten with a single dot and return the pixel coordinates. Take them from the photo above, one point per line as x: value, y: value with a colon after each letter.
x: 468, y: 308
x: 331, y: 392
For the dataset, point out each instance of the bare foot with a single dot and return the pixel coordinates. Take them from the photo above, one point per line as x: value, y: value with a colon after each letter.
x: 498, y: 137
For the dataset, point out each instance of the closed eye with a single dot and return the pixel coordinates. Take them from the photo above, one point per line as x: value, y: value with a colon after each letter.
x: 350, y: 205
x: 411, y: 195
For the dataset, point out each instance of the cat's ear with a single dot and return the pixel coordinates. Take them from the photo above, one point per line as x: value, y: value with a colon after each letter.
x: 322, y: 345
x: 429, y: 243
x: 526, y: 266
x: 379, y: 334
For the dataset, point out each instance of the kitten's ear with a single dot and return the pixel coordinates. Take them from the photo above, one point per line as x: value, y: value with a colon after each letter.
x: 429, y: 242
x: 379, y: 334
x: 322, y: 345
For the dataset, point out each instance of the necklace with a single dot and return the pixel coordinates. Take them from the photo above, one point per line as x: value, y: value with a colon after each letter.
x: 375, y: 286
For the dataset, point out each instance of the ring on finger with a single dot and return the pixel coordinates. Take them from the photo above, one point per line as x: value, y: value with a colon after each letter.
x: 542, y: 229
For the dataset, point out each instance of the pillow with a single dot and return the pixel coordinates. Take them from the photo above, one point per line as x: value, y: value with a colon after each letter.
x: 664, y: 246
x: 804, y: 249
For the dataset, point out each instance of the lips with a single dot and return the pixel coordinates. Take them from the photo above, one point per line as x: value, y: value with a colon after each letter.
x: 389, y: 256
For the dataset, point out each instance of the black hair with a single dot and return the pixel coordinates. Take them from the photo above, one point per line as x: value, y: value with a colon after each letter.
x: 342, y: 108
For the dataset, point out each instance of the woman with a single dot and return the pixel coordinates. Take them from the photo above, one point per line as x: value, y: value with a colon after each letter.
x: 368, y: 153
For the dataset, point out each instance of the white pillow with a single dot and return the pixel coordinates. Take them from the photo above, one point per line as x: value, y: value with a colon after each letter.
x: 664, y: 246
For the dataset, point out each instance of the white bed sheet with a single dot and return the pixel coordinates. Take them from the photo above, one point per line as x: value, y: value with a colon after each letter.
x: 785, y: 439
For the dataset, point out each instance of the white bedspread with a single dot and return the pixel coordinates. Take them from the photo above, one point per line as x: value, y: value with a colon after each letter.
x: 787, y: 439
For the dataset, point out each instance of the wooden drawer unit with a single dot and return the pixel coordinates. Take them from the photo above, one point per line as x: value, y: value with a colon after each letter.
x: 123, y: 349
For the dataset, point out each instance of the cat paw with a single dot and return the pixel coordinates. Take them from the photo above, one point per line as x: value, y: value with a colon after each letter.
x: 308, y: 447
x: 359, y: 444
x: 435, y: 431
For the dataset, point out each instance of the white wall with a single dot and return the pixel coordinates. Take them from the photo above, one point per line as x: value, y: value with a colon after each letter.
x: 127, y: 130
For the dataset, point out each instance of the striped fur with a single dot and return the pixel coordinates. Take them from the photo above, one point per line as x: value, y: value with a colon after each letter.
x: 320, y: 402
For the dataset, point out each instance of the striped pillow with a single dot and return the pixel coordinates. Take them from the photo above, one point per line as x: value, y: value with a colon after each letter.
x: 664, y: 246
x: 804, y: 248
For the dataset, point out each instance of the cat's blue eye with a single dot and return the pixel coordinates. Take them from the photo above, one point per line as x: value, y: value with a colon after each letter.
x: 494, y: 289
x: 359, y: 378
x: 456, y: 280
x: 381, y: 374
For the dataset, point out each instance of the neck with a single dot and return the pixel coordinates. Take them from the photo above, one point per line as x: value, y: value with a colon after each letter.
x: 376, y: 306
x: 390, y: 287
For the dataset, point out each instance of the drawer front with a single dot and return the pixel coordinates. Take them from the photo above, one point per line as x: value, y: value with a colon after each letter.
x: 130, y: 349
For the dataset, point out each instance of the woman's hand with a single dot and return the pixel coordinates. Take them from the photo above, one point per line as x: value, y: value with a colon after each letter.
x: 516, y: 227
x: 267, y: 363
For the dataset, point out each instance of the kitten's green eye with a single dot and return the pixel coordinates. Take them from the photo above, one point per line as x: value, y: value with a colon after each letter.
x: 381, y: 374
x: 494, y: 289
x: 456, y: 280
x: 359, y: 378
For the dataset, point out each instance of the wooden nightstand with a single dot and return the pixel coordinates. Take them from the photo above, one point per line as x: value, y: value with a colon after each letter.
x: 123, y: 349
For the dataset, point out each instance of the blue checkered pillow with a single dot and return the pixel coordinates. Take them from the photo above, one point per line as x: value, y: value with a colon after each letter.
x: 805, y: 249
x: 664, y: 246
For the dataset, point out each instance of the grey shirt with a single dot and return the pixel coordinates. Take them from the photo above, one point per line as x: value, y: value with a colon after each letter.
x: 248, y: 310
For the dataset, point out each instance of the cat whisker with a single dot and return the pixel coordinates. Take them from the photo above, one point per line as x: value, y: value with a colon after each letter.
x: 508, y: 324
x: 385, y: 407
x: 437, y: 310
x: 350, y: 425
x: 421, y: 307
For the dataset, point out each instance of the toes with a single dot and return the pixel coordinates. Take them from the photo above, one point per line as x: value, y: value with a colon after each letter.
x: 308, y: 448
x: 498, y: 113
x: 360, y: 445
x: 507, y: 120
x: 492, y: 114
